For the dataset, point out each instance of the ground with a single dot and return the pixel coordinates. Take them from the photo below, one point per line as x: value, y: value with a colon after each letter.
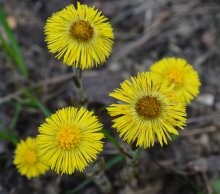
x: 145, y: 31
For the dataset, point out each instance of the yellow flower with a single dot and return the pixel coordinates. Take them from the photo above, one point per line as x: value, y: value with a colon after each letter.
x: 82, y: 36
x: 70, y: 139
x: 146, y: 108
x: 181, y: 73
x: 27, y: 159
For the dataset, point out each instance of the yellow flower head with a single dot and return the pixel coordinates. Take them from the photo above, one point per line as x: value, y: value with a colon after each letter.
x: 82, y: 36
x: 179, y: 72
x: 146, y: 108
x: 70, y: 139
x: 27, y: 159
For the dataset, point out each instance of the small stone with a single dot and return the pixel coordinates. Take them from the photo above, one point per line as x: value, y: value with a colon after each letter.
x: 206, y: 99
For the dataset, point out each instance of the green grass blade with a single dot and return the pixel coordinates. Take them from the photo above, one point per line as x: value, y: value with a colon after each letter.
x: 6, y: 135
x: 41, y: 107
x: 34, y: 102
x: 111, y: 138
x: 3, y: 134
x: 113, y: 162
x: 7, y: 48
x: 216, y: 186
x: 16, y: 115
x: 80, y: 186
x: 19, y: 57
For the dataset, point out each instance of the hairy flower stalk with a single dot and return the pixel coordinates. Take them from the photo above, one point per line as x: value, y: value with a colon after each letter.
x: 95, y: 172
x: 79, y: 87
x: 129, y: 172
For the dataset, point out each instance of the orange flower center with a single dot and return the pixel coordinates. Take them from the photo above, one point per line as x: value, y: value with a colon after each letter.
x: 82, y: 30
x: 175, y: 77
x: 68, y: 137
x: 31, y: 157
x: 148, y: 107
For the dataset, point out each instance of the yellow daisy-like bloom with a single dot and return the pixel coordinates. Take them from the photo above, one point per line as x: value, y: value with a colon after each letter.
x: 70, y: 139
x: 146, y: 108
x: 82, y: 36
x: 179, y: 72
x: 27, y: 159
